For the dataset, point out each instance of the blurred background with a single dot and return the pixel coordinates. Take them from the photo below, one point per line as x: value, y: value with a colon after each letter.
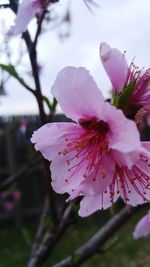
x: 71, y: 35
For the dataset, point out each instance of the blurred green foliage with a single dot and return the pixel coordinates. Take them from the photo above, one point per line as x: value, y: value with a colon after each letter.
x: 126, y: 252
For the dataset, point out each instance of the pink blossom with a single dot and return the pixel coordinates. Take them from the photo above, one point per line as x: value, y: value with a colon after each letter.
x: 8, y: 206
x: 142, y: 228
x: 99, y: 156
x: 17, y: 195
x: 27, y: 10
x: 121, y: 75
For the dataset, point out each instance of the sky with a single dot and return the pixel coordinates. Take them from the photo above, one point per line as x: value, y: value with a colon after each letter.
x: 122, y: 24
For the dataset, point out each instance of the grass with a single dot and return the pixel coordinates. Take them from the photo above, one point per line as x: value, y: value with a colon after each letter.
x: 126, y: 252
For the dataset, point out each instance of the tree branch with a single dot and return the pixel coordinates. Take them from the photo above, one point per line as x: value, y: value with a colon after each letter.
x: 39, y: 28
x: 94, y: 244
x: 33, y: 61
x: 40, y: 229
x: 10, y: 180
x: 51, y: 238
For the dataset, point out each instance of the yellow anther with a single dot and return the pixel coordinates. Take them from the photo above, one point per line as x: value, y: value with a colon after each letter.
x: 103, y: 174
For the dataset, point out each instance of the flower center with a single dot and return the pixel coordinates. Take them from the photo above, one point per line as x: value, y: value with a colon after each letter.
x: 100, y: 127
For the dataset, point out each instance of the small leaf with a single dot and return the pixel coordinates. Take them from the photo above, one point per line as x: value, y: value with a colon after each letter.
x: 45, y: 99
x: 125, y: 96
x: 111, y: 243
x: 51, y: 106
x: 27, y: 236
x: 74, y: 259
x: 54, y: 104
x: 75, y: 208
x: 11, y: 70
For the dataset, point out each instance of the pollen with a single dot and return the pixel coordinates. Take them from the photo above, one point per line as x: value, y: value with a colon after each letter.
x: 103, y: 174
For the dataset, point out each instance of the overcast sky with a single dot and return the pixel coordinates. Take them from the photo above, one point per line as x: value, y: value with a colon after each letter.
x: 122, y: 24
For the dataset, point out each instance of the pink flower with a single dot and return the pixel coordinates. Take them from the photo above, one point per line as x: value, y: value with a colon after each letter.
x: 142, y: 228
x: 122, y: 75
x: 17, y: 195
x: 27, y: 10
x: 8, y: 206
x: 99, y: 156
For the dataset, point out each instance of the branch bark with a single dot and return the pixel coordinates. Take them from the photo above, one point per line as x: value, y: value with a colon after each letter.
x: 13, y: 178
x: 51, y: 238
x: 95, y: 244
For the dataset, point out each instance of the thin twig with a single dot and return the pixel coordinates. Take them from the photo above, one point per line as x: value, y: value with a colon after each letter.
x: 5, y: 6
x: 95, y: 244
x: 39, y: 28
x: 41, y: 227
x: 51, y: 238
x: 13, y: 178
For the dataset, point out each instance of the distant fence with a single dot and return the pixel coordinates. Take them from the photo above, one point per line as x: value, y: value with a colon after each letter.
x: 16, y: 151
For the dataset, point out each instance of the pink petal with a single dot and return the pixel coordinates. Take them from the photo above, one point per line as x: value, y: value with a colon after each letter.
x: 126, y: 159
x: 97, y: 182
x: 50, y: 138
x: 27, y: 10
x: 77, y: 177
x: 63, y: 179
x: 142, y: 229
x: 120, y: 128
x: 77, y: 94
x: 144, y: 162
x: 146, y: 145
x: 89, y: 205
x: 133, y: 193
x: 115, y: 66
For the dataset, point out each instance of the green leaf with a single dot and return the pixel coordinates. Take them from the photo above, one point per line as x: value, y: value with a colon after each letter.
x: 115, y: 100
x: 54, y: 104
x: 125, y: 95
x: 111, y: 243
x: 51, y: 106
x: 74, y: 259
x: 27, y: 236
x: 11, y: 70
x: 45, y: 99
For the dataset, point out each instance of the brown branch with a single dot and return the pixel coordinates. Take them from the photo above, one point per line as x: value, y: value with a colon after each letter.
x: 33, y: 60
x: 34, y: 65
x: 39, y: 28
x: 51, y: 238
x: 13, y: 178
x: 95, y: 244
x: 5, y: 6
x: 29, y: 88
x: 41, y: 227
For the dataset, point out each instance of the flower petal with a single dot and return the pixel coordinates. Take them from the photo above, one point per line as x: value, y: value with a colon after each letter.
x: 90, y: 204
x: 50, y: 138
x: 115, y: 65
x: 64, y: 178
x: 27, y: 10
x: 133, y: 191
x: 120, y: 128
x: 97, y: 182
x: 142, y: 228
x: 77, y: 93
